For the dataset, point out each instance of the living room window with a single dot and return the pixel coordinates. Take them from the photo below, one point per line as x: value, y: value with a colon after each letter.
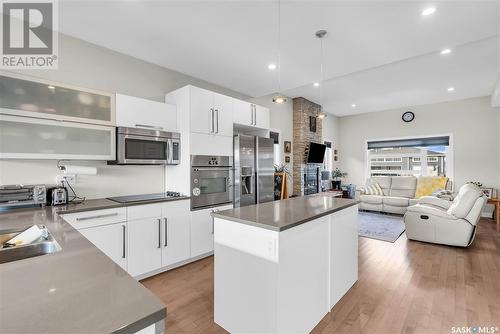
x: 328, y: 160
x: 275, y: 136
x: 428, y: 156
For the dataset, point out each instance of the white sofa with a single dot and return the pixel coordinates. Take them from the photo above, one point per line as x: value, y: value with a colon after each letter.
x: 399, y: 193
x: 444, y: 222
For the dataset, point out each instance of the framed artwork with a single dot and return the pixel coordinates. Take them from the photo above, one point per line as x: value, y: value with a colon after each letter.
x: 287, y: 159
x: 488, y: 192
x: 312, y: 123
x: 288, y: 146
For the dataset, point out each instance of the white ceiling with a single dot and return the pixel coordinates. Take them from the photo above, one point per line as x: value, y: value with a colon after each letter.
x: 377, y: 54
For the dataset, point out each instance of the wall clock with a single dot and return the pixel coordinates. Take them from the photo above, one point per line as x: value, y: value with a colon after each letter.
x: 408, y: 116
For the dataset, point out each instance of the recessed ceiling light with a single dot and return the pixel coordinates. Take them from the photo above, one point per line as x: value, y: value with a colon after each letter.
x: 51, y: 87
x: 451, y: 89
x: 353, y: 105
x: 316, y: 84
x: 445, y: 51
x: 428, y: 11
x: 271, y: 66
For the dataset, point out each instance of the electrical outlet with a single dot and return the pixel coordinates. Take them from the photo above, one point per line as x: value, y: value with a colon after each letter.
x: 66, y: 178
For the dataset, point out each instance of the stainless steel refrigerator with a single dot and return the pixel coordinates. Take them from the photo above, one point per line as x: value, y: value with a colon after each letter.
x: 253, y: 170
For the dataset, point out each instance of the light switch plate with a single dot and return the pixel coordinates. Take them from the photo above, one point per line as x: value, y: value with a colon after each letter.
x: 66, y: 178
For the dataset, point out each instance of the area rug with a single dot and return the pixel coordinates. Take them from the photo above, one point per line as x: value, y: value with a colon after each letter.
x: 379, y: 226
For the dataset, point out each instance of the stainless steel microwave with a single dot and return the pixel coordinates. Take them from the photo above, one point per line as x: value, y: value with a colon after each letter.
x: 136, y: 146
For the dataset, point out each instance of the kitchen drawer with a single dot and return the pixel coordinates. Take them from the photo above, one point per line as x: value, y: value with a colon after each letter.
x: 144, y: 211
x: 96, y: 218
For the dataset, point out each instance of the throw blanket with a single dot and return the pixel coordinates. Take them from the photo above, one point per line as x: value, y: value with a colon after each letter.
x: 443, y: 194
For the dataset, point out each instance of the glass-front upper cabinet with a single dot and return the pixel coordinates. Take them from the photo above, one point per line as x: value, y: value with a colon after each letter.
x: 23, y: 96
x: 37, y: 138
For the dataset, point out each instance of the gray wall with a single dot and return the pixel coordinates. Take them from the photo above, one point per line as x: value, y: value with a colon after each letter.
x: 87, y: 65
x: 281, y: 118
x: 331, y: 131
x: 473, y: 124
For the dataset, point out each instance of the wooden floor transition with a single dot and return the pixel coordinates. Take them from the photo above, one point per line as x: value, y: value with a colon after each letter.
x: 403, y: 287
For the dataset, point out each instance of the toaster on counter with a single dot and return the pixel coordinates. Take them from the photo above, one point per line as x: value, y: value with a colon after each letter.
x: 57, y: 196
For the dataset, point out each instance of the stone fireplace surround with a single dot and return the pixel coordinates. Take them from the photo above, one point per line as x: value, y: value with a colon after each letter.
x: 302, y: 109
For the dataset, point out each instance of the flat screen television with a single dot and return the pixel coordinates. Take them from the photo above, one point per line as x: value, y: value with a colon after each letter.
x: 316, y: 153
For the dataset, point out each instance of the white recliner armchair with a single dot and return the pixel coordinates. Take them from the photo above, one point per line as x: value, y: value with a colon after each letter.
x: 444, y: 222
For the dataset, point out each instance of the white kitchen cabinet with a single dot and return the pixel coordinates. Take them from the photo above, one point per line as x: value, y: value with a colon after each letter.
x: 202, y: 110
x: 159, y: 236
x: 176, y: 232
x: 202, y: 144
x: 210, y: 113
x: 148, y: 238
x: 243, y: 112
x: 33, y: 97
x: 111, y: 240
x: 262, y: 117
x: 144, y: 245
x: 223, y: 113
x: 137, y: 112
x: 35, y: 138
x: 249, y: 114
x: 106, y: 229
x: 202, y: 230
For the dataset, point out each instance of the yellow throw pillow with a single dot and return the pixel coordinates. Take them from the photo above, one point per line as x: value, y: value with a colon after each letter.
x: 426, y: 185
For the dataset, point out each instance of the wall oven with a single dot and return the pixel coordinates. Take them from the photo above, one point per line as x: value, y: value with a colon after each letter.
x: 211, y: 182
x: 135, y: 146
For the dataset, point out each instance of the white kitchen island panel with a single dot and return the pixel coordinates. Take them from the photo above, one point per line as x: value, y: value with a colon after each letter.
x: 282, y: 281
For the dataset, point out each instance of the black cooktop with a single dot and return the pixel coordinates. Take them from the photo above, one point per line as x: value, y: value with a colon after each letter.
x: 146, y: 197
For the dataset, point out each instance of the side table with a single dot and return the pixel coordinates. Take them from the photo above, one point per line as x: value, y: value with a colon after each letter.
x: 496, y: 202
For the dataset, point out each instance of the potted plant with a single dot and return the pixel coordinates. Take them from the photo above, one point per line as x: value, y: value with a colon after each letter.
x: 282, y: 168
x: 337, y: 176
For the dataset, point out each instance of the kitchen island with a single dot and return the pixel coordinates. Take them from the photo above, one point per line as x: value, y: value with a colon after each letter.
x: 281, y: 266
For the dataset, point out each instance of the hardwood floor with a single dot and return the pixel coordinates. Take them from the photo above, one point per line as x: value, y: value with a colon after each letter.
x: 405, y: 287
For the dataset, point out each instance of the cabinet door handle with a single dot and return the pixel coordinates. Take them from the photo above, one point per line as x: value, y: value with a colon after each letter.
x: 252, y: 115
x: 159, y: 233
x: 165, y: 220
x: 123, y: 243
x: 98, y: 216
x: 149, y: 126
x: 170, y: 151
x: 211, y: 115
x: 255, y: 114
x: 217, y: 119
x: 213, y: 221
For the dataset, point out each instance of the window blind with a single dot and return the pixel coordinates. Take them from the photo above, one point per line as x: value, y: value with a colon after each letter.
x: 414, y: 142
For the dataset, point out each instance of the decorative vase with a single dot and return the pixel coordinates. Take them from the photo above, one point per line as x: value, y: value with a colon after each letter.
x: 336, y: 185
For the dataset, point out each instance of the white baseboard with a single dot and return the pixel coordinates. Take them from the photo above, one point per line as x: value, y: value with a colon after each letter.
x: 173, y: 266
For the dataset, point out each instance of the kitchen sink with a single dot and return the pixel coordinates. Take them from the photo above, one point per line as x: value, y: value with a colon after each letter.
x: 44, y: 245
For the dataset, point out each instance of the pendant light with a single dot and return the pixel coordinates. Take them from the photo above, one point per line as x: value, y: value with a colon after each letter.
x: 279, y: 98
x: 320, y: 34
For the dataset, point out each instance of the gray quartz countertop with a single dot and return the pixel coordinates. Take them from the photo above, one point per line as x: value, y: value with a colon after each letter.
x: 104, y: 203
x: 76, y: 290
x: 282, y: 215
